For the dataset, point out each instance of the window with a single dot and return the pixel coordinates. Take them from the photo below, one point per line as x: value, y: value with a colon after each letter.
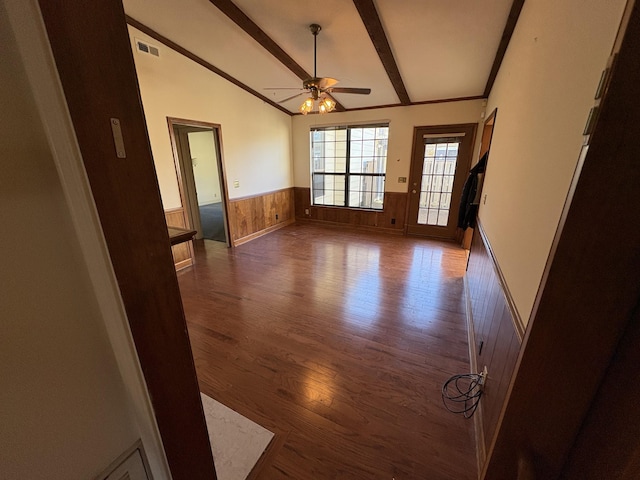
x: 348, y: 165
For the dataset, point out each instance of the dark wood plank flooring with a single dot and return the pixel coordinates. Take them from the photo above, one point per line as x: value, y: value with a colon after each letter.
x: 339, y: 342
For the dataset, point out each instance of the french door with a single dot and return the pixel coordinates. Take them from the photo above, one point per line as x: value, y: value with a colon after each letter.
x: 440, y: 163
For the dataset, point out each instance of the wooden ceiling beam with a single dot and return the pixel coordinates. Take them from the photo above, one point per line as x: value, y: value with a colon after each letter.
x: 371, y: 20
x: 254, y: 31
x: 512, y: 20
x: 238, y: 17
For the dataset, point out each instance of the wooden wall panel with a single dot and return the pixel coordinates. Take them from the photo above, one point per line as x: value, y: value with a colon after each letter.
x: 183, y: 252
x: 252, y: 217
x: 395, y: 207
x: 497, y: 340
x: 175, y: 217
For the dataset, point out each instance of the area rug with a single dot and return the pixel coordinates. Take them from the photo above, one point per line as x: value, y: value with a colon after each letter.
x: 237, y: 442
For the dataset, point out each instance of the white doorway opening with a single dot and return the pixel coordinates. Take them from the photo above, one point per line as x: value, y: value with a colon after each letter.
x: 200, y: 174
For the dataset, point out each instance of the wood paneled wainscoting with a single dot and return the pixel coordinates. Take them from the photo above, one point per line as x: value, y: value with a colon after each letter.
x: 254, y: 216
x: 391, y: 219
x: 183, y: 252
x: 495, y: 335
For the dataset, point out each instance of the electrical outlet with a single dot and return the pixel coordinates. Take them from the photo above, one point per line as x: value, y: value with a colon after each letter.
x: 276, y: 216
x: 484, y: 376
x: 306, y: 211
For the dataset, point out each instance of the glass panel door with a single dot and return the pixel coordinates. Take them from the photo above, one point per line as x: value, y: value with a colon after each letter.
x: 440, y: 163
x: 438, y: 170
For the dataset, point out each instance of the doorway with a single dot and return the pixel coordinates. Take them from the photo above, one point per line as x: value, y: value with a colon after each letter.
x: 487, y: 132
x: 485, y: 146
x: 440, y: 162
x: 200, y: 175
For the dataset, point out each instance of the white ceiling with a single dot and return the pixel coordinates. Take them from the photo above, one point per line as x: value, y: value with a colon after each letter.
x: 443, y: 49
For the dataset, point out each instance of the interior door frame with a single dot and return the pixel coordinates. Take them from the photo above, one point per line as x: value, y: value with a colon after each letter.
x: 487, y: 133
x: 415, y: 175
x: 182, y: 152
x: 187, y: 192
x: 485, y: 146
x: 35, y: 52
x: 103, y: 100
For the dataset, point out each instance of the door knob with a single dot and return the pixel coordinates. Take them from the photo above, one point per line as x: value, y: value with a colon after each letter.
x: 413, y: 191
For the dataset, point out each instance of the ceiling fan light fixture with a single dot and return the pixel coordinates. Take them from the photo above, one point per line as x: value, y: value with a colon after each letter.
x: 326, y: 105
x: 307, y: 106
x: 319, y: 87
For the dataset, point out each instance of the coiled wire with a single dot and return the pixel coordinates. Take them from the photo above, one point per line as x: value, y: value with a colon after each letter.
x: 461, y: 393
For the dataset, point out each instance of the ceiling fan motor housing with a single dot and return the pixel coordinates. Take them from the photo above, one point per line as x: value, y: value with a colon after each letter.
x: 312, y: 84
x: 320, y: 88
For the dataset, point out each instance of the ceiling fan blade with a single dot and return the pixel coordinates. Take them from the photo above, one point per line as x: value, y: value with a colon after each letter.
x: 360, y: 91
x: 293, y: 96
x: 326, y: 82
x: 282, y: 88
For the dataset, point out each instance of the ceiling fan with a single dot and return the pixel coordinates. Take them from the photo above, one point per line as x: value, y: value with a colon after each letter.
x: 320, y: 88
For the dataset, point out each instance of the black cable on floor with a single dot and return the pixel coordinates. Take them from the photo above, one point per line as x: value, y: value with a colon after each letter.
x: 461, y: 393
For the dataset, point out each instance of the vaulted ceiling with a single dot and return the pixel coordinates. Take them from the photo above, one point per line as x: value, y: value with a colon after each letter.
x: 406, y: 51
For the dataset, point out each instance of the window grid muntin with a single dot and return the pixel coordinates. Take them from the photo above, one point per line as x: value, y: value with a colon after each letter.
x: 438, y: 171
x: 362, y: 189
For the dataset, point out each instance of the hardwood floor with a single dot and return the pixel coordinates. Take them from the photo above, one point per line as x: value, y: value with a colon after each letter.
x: 339, y: 342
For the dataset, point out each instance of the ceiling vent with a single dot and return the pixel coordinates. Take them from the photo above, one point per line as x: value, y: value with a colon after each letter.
x: 144, y: 47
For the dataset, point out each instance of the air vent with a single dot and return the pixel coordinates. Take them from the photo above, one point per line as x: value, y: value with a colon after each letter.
x: 144, y: 47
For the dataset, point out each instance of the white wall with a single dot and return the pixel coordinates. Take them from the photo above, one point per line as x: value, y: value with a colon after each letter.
x: 64, y: 411
x: 205, y: 166
x: 256, y: 138
x: 402, y: 121
x: 543, y: 93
